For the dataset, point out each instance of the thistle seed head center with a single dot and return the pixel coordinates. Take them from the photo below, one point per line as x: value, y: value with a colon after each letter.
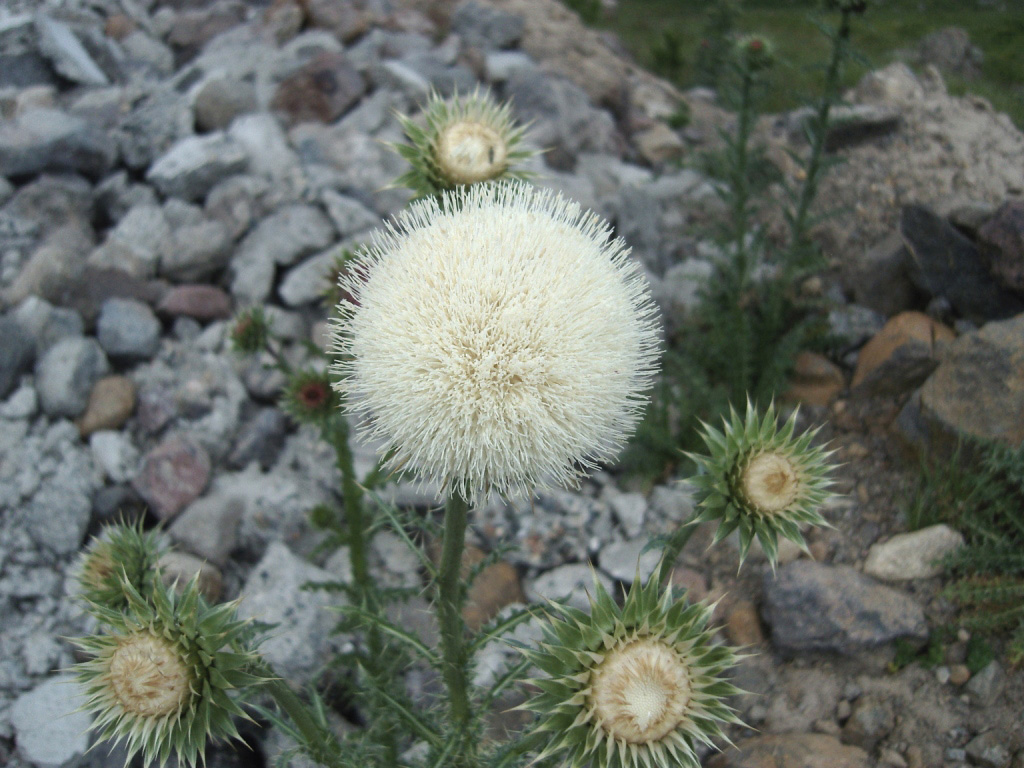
x: 148, y: 677
x: 469, y: 152
x: 770, y: 482
x: 641, y: 691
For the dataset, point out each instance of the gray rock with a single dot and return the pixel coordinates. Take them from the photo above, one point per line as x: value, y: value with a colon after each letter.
x: 16, y: 353
x: 815, y: 607
x: 630, y: 509
x: 400, y: 76
x: 569, y: 583
x: 309, y: 281
x: 152, y: 127
x: 915, y: 555
x: 266, y: 145
x: 260, y: 439
x: 140, y: 47
x: 274, y: 593
x: 987, y: 751
x: 49, y: 729
x: 282, y: 238
x: 853, y: 325
x: 117, y: 194
x: 238, y: 201
x: 562, y: 118
x: 444, y: 78
x: 66, y: 373
x: 48, y: 140
x: 950, y: 50
x: 209, y: 527
x: 198, y: 251
x: 46, y: 323
x: 499, y: 66
x: 870, y: 722
x: 195, y: 164
x: 987, y: 685
x: 350, y: 217
x: 1002, y: 235
x: 623, y: 561
x: 137, y: 244
x: 22, y: 404
x: 220, y: 100
x: 945, y: 263
x: 976, y: 388
x: 486, y: 27
x: 879, y: 280
x: 69, y: 57
x: 128, y: 328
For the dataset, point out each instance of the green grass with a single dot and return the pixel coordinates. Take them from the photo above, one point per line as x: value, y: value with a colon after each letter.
x: 886, y: 29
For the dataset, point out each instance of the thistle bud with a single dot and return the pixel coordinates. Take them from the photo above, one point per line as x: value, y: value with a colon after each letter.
x: 755, y: 53
x: 121, y: 555
x: 640, y: 685
x: 309, y: 398
x: 460, y: 142
x: 251, y: 331
x: 761, y: 480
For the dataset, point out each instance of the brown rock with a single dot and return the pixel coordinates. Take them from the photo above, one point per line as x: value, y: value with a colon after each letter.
x: 345, y: 20
x: 1003, y: 235
x: 119, y: 26
x: 742, y: 625
x: 284, y: 18
x: 901, y: 355
x: 816, y: 380
x: 659, y: 144
x: 495, y: 587
x: 692, y: 581
x: 792, y: 750
x: 879, y: 279
x: 177, y: 569
x: 111, y: 403
x: 959, y: 674
x: 201, y: 302
x: 173, y: 475
x: 321, y: 91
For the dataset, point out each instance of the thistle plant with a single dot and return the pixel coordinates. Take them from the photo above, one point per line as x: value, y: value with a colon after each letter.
x: 492, y: 338
x: 459, y: 142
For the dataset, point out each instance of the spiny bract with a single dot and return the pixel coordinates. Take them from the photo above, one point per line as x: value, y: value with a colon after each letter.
x: 631, y: 687
x: 159, y: 680
x: 761, y: 480
x: 461, y: 141
x: 498, y: 339
x: 120, y: 554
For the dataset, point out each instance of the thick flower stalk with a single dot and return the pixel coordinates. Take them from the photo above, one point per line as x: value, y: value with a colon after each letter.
x: 458, y: 142
x: 761, y: 480
x: 162, y: 679
x: 498, y: 339
x: 640, y: 685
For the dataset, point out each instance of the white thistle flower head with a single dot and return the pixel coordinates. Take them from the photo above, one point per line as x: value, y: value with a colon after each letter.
x: 497, y: 339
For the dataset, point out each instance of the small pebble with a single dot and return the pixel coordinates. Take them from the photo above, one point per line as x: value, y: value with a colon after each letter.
x: 959, y: 674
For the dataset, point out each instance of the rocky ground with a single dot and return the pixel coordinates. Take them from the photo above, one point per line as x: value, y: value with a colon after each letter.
x: 163, y: 165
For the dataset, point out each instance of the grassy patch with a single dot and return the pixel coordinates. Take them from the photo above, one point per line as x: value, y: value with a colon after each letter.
x: 887, y: 32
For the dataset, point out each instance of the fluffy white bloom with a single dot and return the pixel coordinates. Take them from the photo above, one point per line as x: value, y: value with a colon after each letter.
x: 498, y: 339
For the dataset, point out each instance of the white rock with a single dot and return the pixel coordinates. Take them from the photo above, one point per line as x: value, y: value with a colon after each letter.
x: 50, y: 733
x: 912, y: 555
x: 114, y: 454
x: 630, y: 509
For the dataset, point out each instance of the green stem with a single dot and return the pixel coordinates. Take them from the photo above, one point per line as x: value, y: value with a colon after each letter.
x: 741, y: 186
x: 355, y: 523
x: 820, y: 130
x: 673, y: 548
x: 450, y: 596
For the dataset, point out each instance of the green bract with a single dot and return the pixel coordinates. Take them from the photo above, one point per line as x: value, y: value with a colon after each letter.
x: 460, y: 142
x: 160, y: 680
x: 251, y: 331
x: 639, y: 685
x: 761, y: 480
x: 122, y: 554
x: 309, y: 398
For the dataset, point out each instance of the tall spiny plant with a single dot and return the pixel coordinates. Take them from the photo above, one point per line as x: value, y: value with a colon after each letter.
x: 480, y: 366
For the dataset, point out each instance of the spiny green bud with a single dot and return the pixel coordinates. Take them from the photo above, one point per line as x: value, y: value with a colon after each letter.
x: 641, y: 685
x: 761, y: 480
x: 460, y: 142
x: 755, y: 53
x: 251, y: 331
x: 309, y: 398
x: 159, y: 679
x: 122, y: 554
